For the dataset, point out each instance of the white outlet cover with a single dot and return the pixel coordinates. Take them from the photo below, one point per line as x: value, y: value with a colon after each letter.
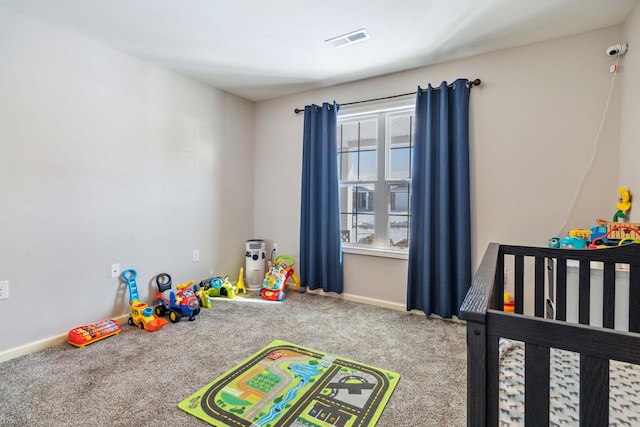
x: 4, y: 291
x: 115, y: 270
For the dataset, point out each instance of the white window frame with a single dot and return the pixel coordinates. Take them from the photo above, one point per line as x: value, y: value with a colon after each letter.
x: 381, y: 210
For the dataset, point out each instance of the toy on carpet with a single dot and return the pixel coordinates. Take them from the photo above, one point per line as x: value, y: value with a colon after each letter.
x: 218, y: 287
x: 180, y: 303
x: 284, y: 384
x: 141, y: 314
x: 240, y: 288
x: 84, y: 335
x: 275, y: 279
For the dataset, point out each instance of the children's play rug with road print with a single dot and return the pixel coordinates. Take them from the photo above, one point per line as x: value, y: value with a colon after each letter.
x: 287, y: 385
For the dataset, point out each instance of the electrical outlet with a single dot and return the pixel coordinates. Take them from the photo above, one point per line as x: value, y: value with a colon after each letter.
x: 115, y: 270
x: 196, y: 255
x: 4, y: 290
x: 275, y: 247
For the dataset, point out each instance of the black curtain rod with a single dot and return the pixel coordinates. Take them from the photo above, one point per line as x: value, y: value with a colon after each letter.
x: 470, y: 83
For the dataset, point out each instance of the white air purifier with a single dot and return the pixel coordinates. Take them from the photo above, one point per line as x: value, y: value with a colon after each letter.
x: 256, y: 262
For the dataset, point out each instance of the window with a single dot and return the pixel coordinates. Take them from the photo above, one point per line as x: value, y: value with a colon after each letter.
x: 374, y: 159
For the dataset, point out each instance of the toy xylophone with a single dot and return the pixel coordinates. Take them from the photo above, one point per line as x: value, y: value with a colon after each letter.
x: 88, y: 334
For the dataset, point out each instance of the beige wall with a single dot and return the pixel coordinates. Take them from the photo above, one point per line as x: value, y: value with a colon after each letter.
x: 534, y: 123
x: 107, y: 159
x: 629, y: 122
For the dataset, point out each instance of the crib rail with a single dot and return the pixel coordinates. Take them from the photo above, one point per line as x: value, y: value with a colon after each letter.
x: 486, y: 323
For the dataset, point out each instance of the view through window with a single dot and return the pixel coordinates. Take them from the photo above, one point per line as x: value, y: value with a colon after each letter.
x: 374, y: 159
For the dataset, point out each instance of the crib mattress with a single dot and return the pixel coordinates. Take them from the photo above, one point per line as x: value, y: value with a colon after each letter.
x: 564, y: 403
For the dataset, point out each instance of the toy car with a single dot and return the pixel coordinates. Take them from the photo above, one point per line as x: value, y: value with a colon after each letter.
x: 180, y: 303
x: 141, y: 314
x: 616, y: 236
x: 143, y: 317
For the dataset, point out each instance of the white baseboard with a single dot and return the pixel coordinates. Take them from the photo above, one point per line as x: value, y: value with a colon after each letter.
x: 361, y: 299
x: 12, y: 353
x: 380, y: 303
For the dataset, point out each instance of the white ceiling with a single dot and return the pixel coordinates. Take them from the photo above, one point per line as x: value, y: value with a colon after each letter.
x: 261, y: 49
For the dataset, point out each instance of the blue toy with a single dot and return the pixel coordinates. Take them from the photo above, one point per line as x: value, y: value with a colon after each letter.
x: 181, y: 303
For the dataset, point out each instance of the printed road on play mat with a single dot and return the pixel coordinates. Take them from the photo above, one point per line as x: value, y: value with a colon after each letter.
x: 287, y: 385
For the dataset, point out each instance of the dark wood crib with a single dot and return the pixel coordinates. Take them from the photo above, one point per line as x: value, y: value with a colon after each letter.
x: 482, y: 309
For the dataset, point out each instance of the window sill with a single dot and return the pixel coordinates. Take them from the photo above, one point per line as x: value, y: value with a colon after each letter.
x: 379, y: 252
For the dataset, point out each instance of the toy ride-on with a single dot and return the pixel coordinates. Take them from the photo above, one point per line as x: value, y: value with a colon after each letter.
x: 180, y: 303
x: 141, y: 314
x: 275, y: 279
x: 218, y: 287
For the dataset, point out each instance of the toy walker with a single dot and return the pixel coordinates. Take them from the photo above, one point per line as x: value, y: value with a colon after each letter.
x: 275, y: 279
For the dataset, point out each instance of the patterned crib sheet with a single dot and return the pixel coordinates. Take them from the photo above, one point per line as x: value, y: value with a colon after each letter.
x: 564, y: 401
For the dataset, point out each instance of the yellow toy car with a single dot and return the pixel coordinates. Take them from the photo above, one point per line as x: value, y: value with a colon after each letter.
x: 143, y: 317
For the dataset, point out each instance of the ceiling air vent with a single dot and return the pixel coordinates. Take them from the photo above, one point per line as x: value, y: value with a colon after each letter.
x: 350, y: 38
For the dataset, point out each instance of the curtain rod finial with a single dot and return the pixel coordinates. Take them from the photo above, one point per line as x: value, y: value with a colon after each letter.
x: 297, y: 111
x: 475, y: 82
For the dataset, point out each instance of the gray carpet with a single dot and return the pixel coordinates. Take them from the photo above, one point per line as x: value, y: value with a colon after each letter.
x: 137, y: 378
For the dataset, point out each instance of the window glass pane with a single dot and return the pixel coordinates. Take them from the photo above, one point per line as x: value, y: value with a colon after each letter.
x: 400, y: 131
x: 369, y: 134
x: 399, y: 197
x: 349, y: 168
x: 358, y: 159
x: 357, y: 228
x: 349, y: 136
x: 399, y: 163
x: 399, y: 231
x: 356, y: 213
x: 399, y: 145
x: 363, y: 226
x: 362, y: 198
x: 345, y: 201
x: 368, y: 166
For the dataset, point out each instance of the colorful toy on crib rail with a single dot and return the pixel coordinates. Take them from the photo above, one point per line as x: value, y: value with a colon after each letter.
x: 509, y: 304
x: 623, y: 205
x: 569, y: 242
x: 84, y: 335
x: 617, y: 236
x: 183, y: 302
x: 141, y: 314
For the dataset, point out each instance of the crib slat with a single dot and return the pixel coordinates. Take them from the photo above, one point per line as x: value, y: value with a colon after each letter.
x: 609, y: 295
x: 476, y: 373
x: 594, y: 391
x: 634, y: 298
x: 561, y: 289
x: 539, y: 286
x: 493, y: 380
x: 519, y: 284
x: 536, y: 385
x: 584, y: 290
x: 498, y: 284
